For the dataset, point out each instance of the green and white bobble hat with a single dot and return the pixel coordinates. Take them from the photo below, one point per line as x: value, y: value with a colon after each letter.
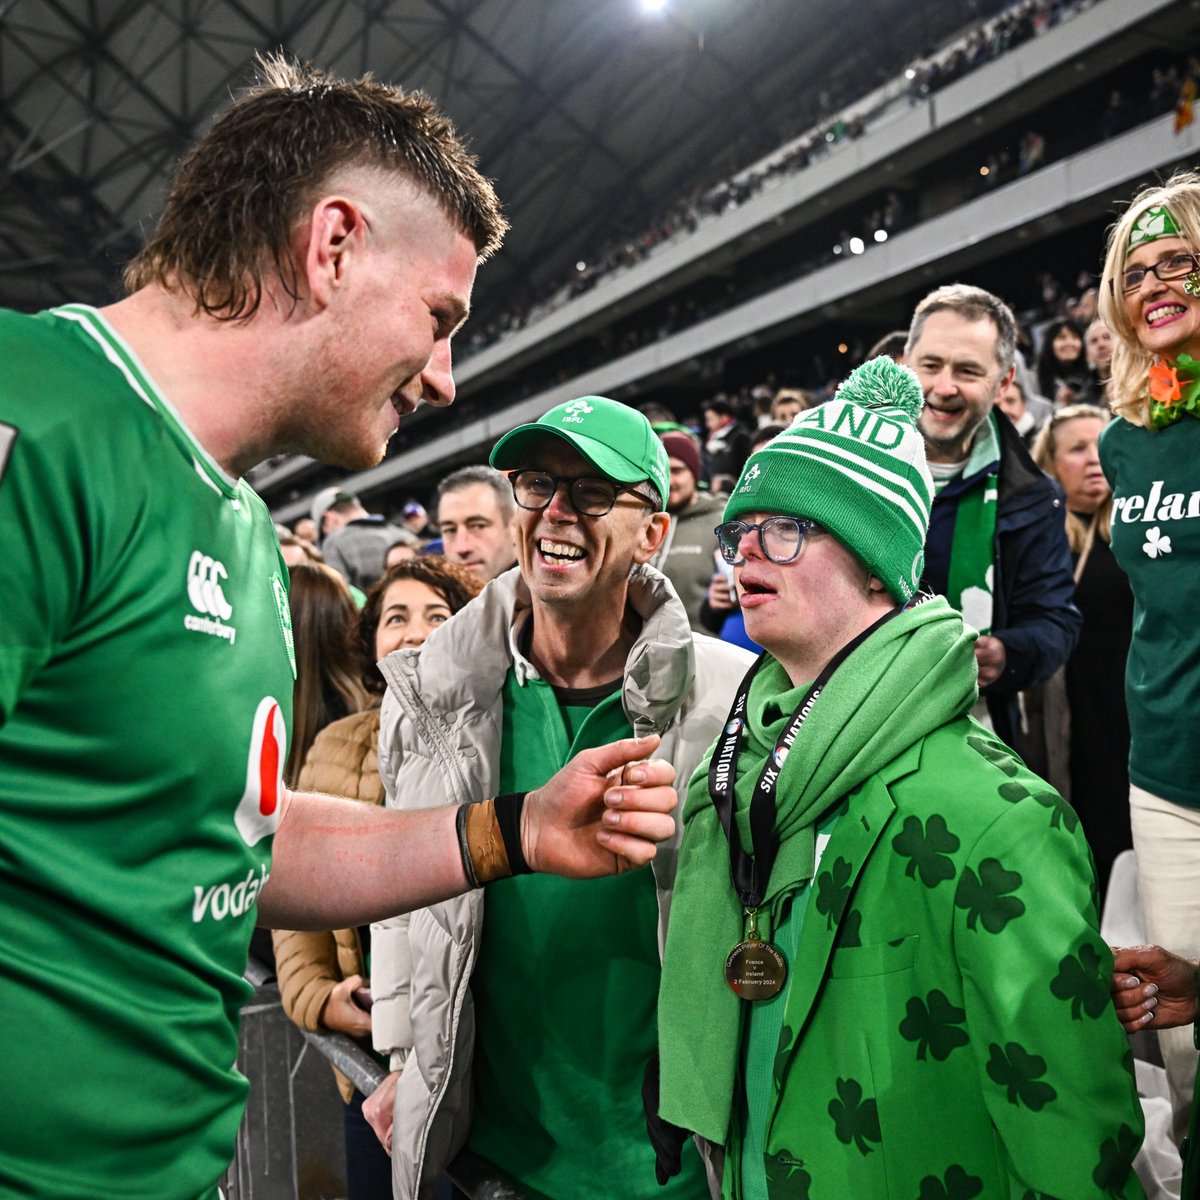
x: 856, y: 466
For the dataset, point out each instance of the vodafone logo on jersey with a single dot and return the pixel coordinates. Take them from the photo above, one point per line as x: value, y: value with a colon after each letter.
x: 257, y: 812
x: 257, y: 817
x: 205, y: 576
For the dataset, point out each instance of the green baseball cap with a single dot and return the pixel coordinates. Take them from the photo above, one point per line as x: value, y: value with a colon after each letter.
x: 617, y: 440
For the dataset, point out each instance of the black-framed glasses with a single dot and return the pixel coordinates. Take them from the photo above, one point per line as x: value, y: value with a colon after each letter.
x: 779, y: 538
x: 589, y: 496
x: 1175, y: 267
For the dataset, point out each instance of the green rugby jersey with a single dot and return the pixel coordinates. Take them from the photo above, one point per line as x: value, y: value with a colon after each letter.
x: 145, y: 696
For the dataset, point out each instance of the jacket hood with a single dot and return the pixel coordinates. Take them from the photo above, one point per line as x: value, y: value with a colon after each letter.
x: 460, y: 659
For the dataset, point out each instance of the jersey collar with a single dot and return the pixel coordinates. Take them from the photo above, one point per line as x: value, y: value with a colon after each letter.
x: 120, y: 355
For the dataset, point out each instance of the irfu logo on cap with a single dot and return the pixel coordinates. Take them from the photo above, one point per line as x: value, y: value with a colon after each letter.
x: 750, y: 482
x: 574, y: 412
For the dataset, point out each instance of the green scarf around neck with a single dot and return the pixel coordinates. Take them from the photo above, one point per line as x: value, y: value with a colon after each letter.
x: 913, y: 675
x: 973, y: 546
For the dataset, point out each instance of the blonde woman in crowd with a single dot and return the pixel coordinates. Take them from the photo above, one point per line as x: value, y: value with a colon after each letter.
x: 1150, y: 299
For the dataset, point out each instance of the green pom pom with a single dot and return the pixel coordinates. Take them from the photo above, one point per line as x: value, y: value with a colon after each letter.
x: 883, y: 383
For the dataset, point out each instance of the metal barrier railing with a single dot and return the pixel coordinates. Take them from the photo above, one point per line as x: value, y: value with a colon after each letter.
x: 255, y: 1171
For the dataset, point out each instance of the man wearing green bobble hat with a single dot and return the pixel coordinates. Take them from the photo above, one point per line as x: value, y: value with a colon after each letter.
x: 884, y: 975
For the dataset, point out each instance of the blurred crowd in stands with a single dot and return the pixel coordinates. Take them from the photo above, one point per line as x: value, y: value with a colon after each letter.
x: 857, y: 231
x: 1050, y: 136
x: 839, y: 118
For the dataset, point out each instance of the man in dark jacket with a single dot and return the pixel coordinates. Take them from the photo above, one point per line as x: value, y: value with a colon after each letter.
x: 997, y: 547
x: 355, y: 541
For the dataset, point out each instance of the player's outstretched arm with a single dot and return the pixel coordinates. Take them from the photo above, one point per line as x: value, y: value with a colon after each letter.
x: 339, y: 863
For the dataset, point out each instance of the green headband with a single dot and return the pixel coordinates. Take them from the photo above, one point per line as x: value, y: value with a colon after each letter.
x: 1153, y: 224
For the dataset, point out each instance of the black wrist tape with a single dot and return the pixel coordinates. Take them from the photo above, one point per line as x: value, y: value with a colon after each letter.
x: 508, y: 817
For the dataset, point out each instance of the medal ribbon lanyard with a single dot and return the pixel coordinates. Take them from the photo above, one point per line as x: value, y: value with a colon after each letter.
x: 751, y: 872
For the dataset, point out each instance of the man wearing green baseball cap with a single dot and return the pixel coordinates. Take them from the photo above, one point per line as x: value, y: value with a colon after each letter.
x: 523, y: 1027
x: 884, y: 974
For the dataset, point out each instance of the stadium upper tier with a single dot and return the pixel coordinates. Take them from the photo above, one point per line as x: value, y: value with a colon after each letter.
x: 779, y: 251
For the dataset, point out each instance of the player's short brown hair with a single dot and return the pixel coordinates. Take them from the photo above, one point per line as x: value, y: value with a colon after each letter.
x: 239, y: 193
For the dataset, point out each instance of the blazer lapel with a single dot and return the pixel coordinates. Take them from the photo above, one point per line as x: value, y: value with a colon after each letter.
x: 853, y: 838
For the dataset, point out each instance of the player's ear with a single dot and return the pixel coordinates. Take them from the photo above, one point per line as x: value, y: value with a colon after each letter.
x: 335, y: 235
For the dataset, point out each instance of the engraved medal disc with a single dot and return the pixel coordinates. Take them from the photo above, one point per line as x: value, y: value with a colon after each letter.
x: 755, y: 970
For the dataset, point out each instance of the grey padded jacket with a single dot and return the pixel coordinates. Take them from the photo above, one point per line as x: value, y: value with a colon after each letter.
x: 440, y: 744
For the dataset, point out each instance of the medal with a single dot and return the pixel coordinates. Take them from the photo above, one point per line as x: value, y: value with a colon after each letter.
x: 755, y: 969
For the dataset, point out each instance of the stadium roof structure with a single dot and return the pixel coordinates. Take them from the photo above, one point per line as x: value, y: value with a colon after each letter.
x: 590, y: 114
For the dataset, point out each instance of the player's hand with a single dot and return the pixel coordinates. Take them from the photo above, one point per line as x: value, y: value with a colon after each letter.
x: 342, y: 1014
x: 379, y: 1106
x: 602, y: 813
x: 991, y: 657
x: 1153, y: 988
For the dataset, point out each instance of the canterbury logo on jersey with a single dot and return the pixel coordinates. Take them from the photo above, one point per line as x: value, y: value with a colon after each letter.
x: 205, y: 575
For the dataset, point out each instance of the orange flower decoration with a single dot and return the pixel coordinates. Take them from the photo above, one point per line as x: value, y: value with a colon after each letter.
x: 1164, y: 383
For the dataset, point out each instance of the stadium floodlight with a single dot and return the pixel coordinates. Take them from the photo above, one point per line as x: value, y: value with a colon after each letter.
x: 881, y: 235
x: 857, y: 245
x: 654, y: 6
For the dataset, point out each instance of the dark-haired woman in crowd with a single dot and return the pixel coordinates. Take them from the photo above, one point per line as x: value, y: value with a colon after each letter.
x: 1062, y: 370
x: 329, y: 682
x: 322, y: 974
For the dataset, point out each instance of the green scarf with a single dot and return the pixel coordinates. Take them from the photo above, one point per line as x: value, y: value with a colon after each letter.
x: 914, y: 674
x: 973, y: 546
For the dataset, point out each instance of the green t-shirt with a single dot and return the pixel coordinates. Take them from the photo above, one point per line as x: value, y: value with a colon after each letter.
x: 565, y: 991
x: 145, y: 695
x: 1156, y: 540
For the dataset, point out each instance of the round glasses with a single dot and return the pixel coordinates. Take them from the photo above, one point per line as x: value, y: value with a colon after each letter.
x: 588, y: 496
x: 1175, y: 267
x: 779, y: 538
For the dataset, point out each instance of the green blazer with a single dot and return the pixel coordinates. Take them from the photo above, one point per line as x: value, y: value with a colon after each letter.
x: 948, y: 1032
